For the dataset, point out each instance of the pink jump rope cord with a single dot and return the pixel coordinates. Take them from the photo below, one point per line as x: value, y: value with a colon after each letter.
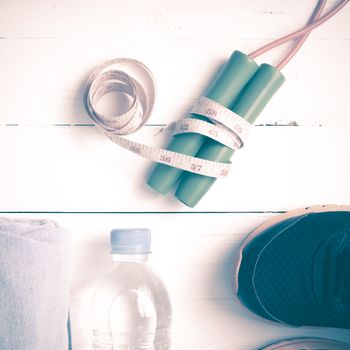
x: 300, y: 41
x: 301, y: 34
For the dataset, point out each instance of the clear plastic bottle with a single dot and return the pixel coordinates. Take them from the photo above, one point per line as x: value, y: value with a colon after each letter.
x: 131, y: 306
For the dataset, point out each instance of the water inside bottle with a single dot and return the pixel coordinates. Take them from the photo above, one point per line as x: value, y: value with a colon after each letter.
x: 133, y: 320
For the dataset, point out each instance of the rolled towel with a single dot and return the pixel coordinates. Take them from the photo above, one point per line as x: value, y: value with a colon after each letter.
x: 34, y: 285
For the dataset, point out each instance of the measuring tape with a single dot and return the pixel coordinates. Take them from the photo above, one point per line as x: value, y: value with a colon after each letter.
x: 132, y: 78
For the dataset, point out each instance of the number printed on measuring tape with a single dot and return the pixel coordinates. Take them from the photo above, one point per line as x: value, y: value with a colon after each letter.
x: 119, y: 75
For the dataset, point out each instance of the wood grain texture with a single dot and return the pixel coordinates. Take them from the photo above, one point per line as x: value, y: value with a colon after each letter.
x: 48, y: 48
x: 77, y: 169
x: 56, y: 165
x: 47, y: 76
x: 194, y: 254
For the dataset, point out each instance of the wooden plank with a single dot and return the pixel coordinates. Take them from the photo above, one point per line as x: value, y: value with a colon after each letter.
x: 194, y: 255
x: 45, y: 63
x: 78, y: 169
x: 182, y: 19
x: 42, y: 80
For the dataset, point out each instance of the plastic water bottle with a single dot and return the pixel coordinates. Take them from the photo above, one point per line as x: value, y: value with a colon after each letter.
x: 131, y: 307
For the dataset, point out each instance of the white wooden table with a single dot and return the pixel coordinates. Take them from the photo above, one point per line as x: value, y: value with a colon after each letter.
x: 56, y: 165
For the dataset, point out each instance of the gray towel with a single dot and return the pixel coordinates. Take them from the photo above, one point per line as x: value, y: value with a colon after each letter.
x: 34, y: 285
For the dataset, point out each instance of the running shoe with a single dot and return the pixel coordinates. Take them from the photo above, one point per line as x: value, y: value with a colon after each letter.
x: 295, y: 268
x: 308, y: 344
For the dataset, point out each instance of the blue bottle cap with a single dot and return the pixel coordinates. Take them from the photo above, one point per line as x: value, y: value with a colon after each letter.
x: 131, y: 241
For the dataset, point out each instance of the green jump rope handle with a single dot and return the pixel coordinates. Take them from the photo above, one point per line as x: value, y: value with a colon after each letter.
x: 225, y: 89
x: 255, y: 96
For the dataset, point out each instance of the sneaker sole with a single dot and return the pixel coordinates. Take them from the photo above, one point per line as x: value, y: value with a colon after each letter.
x: 273, y: 221
x: 308, y: 344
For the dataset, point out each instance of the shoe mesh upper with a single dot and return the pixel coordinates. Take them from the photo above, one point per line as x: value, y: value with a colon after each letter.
x: 278, y: 270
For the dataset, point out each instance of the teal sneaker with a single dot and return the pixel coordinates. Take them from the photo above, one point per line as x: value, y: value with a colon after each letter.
x: 295, y: 268
x: 308, y: 344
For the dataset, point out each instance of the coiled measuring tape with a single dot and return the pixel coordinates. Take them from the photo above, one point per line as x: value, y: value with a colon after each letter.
x: 133, y: 78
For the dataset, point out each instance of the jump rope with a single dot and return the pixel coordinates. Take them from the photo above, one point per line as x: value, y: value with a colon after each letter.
x: 203, y: 143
